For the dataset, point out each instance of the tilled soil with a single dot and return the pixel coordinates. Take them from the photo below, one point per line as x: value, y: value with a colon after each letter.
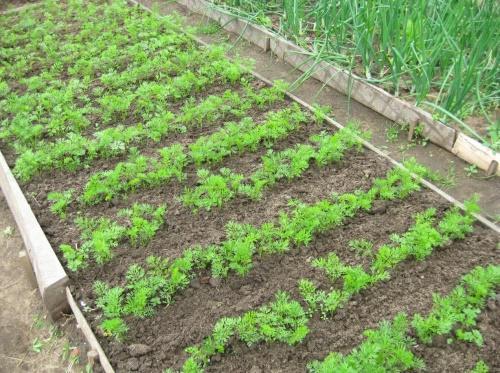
x: 191, y: 317
x: 195, y: 310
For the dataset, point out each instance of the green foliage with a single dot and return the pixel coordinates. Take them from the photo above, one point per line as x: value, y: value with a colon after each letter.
x: 100, y: 236
x: 145, y: 221
x: 138, y: 172
x: 115, y: 327
x: 458, y: 310
x: 213, y: 190
x: 108, y: 73
x: 288, y: 164
x: 480, y: 367
x: 418, y: 242
x: 238, y: 137
x: 283, y: 320
x: 310, y: 294
x: 332, y: 265
x: 413, y: 51
x: 354, y: 280
x: 386, y: 349
x: 75, y: 259
x: 421, y: 239
x: 109, y: 299
x: 362, y: 247
x: 399, y: 182
x: 321, y: 112
x: 456, y: 225
x: 236, y: 252
x: 61, y: 201
x: 331, y: 148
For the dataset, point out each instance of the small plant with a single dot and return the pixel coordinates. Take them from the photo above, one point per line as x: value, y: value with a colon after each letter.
x: 214, y: 190
x: 145, y: 220
x: 138, y: 172
x: 386, y: 349
x: 37, y: 345
x: 321, y: 112
x: 246, y: 135
x: 480, y: 367
x: 392, y: 133
x: 283, y: 320
x: 331, y: 265
x: 459, y: 310
x: 115, y: 328
x: 362, y: 247
x: 61, y: 201
x: 101, y: 235
x: 471, y: 170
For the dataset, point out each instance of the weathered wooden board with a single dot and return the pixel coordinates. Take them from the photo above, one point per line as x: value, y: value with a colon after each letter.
x: 50, y: 274
x: 88, y: 333
x: 473, y: 152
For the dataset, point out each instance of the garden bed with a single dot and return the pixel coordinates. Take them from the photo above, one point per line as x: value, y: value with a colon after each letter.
x: 132, y: 141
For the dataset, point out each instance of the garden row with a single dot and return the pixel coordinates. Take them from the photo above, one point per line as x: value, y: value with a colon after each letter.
x: 206, y: 221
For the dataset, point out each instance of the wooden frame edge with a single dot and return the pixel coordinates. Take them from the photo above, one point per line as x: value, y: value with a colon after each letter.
x: 84, y: 326
x: 50, y: 274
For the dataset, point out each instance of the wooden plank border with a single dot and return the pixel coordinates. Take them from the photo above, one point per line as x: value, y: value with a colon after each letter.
x: 84, y: 326
x: 373, y: 97
x: 50, y: 275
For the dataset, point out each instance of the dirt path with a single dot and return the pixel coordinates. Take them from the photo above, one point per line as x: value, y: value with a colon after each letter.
x: 28, y: 341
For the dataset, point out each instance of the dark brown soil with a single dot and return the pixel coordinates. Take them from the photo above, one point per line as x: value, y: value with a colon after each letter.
x: 196, y: 310
x: 191, y: 317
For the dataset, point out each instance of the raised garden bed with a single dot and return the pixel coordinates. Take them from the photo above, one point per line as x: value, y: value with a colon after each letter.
x: 132, y: 141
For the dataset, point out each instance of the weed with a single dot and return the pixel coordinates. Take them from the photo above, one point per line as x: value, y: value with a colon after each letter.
x: 471, y: 170
x: 392, y: 133
x: 37, y: 345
